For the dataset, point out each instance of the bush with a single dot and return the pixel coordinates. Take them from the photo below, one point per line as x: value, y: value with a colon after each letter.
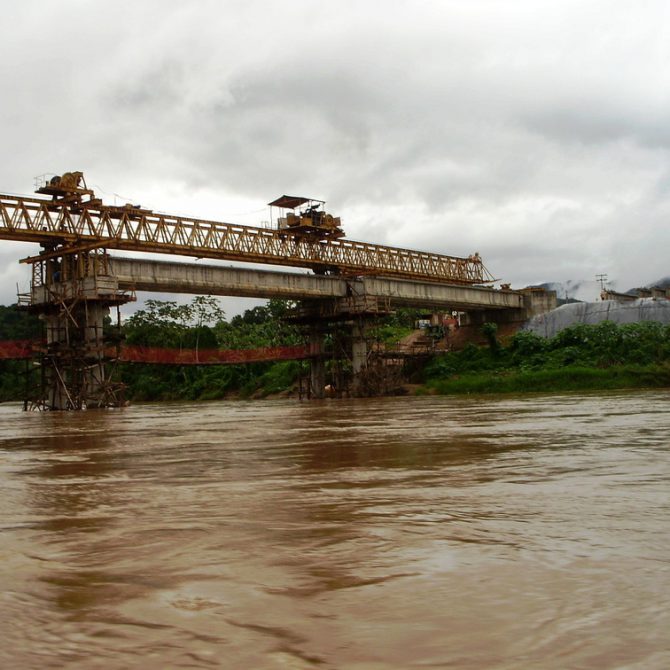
x: 580, y: 357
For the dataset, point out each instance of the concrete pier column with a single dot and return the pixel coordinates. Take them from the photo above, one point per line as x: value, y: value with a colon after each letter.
x: 75, y: 367
x: 317, y: 365
x: 93, y: 378
x: 359, y: 355
x: 56, y: 378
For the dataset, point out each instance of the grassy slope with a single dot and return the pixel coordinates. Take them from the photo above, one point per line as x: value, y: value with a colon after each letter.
x: 582, y: 357
x: 570, y: 378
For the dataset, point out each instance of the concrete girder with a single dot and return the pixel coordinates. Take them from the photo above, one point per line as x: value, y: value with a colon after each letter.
x: 192, y: 278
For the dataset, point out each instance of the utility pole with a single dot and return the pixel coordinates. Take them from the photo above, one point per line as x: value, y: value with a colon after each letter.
x: 602, y: 278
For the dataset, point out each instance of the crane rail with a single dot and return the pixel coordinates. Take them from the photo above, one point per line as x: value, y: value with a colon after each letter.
x: 55, y: 223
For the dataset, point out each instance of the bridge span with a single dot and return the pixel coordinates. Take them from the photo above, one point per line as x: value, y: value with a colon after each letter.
x: 325, y: 299
x: 196, y: 278
x: 73, y: 294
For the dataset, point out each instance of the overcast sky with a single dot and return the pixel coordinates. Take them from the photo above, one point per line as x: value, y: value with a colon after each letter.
x: 536, y: 133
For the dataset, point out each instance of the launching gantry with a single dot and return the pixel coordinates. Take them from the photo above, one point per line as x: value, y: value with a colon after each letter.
x: 73, y: 290
x: 74, y: 220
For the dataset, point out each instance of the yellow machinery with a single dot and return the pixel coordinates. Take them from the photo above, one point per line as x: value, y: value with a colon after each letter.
x: 310, y: 221
x: 70, y: 187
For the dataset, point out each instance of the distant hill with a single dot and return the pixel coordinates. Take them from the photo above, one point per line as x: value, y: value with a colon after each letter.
x: 661, y: 283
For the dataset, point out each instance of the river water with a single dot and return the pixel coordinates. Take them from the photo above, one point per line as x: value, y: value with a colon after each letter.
x: 502, y: 532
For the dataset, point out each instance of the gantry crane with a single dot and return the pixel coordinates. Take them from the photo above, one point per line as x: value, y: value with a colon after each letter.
x: 74, y: 220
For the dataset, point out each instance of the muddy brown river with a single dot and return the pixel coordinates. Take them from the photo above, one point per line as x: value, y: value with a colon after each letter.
x: 505, y: 532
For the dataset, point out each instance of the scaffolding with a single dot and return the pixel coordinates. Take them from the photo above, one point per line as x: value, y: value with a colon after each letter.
x: 344, y: 361
x: 73, y: 294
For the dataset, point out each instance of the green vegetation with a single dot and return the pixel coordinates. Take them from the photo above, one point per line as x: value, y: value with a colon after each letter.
x: 581, y: 357
x: 396, y: 326
x: 201, y: 324
x: 15, y: 325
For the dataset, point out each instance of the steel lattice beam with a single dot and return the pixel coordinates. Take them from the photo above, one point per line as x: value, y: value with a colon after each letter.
x: 53, y: 223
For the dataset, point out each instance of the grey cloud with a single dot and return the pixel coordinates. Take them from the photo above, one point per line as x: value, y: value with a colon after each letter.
x: 533, y: 133
x: 598, y: 122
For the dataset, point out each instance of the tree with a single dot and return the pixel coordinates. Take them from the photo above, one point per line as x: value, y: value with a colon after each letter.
x: 490, y: 331
x: 164, y: 323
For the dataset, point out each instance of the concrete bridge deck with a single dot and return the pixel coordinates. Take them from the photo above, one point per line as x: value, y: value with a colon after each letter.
x: 195, y: 278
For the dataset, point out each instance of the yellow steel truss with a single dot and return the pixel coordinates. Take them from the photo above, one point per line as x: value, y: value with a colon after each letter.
x: 56, y: 223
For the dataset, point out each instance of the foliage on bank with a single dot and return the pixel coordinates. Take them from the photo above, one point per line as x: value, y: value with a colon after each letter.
x: 15, y: 325
x: 201, y: 324
x: 581, y: 357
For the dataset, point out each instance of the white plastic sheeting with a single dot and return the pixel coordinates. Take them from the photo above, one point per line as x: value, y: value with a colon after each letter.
x: 643, y: 309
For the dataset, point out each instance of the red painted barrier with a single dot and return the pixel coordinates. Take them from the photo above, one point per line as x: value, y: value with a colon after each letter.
x: 17, y: 349
x: 159, y: 355
x: 13, y: 349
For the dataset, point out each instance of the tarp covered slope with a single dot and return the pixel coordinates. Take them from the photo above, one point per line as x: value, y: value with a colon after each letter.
x: 643, y: 309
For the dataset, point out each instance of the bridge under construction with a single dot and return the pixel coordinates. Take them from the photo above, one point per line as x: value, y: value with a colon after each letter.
x: 76, y: 281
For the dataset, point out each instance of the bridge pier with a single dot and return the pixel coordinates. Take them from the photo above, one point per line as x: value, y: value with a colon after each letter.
x: 348, y: 319
x: 359, y: 355
x: 317, y: 364
x: 535, y: 301
x: 72, y: 294
x: 74, y: 373
x: 508, y: 321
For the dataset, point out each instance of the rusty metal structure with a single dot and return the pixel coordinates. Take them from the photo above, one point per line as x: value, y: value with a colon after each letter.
x: 70, y: 223
x: 73, y: 290
x: 73, y: 294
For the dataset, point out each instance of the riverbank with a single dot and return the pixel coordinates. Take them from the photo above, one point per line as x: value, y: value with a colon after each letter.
x: 571, y: 378
x: 579, y: 358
